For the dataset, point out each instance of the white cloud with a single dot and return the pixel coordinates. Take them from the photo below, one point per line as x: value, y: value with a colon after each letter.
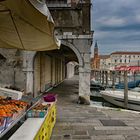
x: 137, y: 18
x: 111, y: 21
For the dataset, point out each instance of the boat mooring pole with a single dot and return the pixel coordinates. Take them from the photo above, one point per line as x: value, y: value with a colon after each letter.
x: 100, y: 73
x: 125, y: 90
x: 103, y: 77
x: 113, y: 80
x: 106, y: 78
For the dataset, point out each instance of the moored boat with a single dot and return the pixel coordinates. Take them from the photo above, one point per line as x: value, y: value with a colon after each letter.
x: 117, y: 98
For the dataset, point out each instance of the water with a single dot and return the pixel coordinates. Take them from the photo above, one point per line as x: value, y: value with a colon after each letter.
x: 97, y: 100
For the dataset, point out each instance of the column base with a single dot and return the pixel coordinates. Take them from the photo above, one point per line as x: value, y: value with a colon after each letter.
x: 84, y: 100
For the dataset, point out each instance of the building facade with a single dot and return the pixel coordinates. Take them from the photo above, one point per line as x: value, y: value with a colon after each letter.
x: 115, y: 59
x: 105, y: 62
x: 125, y: 59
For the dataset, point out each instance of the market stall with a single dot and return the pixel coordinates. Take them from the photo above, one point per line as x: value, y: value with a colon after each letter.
x: 39, y: 115
x: 39, y: 125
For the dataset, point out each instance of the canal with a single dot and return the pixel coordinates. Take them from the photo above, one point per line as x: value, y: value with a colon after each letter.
x: 97, y: 100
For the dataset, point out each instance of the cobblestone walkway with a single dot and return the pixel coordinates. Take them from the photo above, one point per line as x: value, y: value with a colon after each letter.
x: 82, y: 122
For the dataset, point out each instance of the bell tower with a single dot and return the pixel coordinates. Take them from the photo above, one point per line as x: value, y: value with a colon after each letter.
x: 96, y: 50
x: 96, y: 59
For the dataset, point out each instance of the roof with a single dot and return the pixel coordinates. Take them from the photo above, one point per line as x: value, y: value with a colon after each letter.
x: 104, y: 56
x: 130, y: 53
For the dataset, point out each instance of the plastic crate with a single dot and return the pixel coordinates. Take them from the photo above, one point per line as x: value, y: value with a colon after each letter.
x: 45, y: 131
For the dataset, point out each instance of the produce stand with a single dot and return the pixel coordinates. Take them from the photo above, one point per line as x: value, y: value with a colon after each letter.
x: 21, y: 117
x: 44, y: 121
x: 37, y: 128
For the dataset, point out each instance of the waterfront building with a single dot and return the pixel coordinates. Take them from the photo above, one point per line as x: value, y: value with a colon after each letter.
x: 125, y: 59
x: 105, y: 62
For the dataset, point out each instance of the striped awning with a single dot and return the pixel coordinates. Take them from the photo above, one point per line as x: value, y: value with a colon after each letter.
x: 27, y: 25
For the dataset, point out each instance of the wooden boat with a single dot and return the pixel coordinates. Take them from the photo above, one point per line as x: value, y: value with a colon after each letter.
x: 117, y: 98
x: 131, y: 84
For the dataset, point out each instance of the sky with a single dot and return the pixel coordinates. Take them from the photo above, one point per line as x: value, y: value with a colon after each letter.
x: 116, y: 25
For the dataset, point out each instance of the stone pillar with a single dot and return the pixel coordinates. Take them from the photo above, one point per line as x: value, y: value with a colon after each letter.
x: 84, y: 80
x: 53, y: 71
x: 28, y: 69
x: 84, y: 86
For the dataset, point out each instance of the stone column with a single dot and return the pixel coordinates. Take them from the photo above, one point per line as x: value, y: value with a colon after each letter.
x: 84, y: 86
x: 84, y: 80
x: 28, y: 69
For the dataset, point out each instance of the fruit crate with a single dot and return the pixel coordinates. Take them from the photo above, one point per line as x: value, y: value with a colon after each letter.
x: 45, y: 130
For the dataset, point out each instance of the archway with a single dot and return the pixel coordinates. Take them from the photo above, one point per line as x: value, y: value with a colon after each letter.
x: 75, y: 50
x: 71, y: 69
x: 56, y: 67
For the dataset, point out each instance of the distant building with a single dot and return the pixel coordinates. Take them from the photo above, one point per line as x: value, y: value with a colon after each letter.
x: 115, y: 59
x: 125, y: 59
x: 105, y: 62
x: 95, y: 64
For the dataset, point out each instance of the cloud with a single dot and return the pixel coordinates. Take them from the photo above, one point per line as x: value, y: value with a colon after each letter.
x: 126, y: 27
x: 117, y: 24
x: 111, y: 21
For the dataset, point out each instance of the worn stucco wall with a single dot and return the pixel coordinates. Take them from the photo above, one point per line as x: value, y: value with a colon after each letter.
x: 75, y: 19
x: 11, y: 73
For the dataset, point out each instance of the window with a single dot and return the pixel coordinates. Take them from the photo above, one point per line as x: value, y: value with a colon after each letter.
x: 120, y: 60
x: 115, y: 60
x: 125, y: 60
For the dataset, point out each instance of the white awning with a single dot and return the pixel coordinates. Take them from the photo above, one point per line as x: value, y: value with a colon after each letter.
x: 26, y: 24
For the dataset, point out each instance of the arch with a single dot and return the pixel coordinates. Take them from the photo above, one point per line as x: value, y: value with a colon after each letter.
x: 76, y: 51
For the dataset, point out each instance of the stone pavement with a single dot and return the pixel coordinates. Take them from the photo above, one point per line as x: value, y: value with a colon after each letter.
x: 82, y: 122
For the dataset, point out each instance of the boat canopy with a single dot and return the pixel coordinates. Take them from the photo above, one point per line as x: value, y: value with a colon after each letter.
x: 128, y: 68
x: 27, y: 25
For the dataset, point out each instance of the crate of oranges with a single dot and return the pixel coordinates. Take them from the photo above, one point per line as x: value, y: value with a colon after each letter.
x: 11, y: 109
